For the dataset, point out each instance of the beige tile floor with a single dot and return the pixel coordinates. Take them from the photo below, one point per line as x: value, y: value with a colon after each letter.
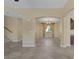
x: 47, y: 48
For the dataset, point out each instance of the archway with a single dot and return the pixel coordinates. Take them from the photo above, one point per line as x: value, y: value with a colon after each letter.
x: 47, y: 29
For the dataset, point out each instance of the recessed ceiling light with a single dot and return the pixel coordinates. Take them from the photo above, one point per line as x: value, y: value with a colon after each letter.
x: 16, y: 0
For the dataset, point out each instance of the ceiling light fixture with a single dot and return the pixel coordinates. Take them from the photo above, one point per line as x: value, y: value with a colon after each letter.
x: 16, y: 0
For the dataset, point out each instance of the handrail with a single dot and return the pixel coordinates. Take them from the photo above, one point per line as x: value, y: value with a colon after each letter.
x: 8, y: 29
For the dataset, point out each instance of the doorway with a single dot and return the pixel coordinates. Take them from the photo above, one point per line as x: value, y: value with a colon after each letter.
x: 46, y: 33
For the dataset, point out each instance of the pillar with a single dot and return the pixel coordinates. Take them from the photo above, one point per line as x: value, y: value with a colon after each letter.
x: 65, y: 41
x: 28, y: 33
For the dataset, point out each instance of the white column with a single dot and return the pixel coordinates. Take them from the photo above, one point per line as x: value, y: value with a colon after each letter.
x: 28, y: 33
x: 66, y: 32
x: 61, y: 34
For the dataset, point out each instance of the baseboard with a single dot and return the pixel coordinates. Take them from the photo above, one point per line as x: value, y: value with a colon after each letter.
x: 64, y: 46
x: 15, y: 40
x: 28, y: 45
x: 68, y: 45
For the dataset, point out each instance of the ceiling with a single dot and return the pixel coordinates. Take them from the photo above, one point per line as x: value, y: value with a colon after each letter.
x: 37, y: 8
x: 36, y: 3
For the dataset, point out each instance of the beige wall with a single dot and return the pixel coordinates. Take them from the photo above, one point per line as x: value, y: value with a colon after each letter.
x: 68, y: 7
x: 56, y: 30
x: 13, y: 24
x: 20, y: 29
x: 39, y: 31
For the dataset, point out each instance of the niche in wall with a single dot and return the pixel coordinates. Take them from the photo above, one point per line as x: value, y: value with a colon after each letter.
x: 72, y: 29
x: 71, y: 24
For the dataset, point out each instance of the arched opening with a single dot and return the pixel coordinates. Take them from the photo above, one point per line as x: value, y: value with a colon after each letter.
x: 47, y: 30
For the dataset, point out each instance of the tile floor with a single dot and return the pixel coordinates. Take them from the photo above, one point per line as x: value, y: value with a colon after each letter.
x: 47, y: 48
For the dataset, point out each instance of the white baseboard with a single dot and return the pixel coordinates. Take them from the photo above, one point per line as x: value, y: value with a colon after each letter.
x: 64, y: 46
x: 15, y: 40
x: 28, y: 45
x: 68, y: 45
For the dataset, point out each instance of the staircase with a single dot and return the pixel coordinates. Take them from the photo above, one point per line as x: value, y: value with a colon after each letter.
x: 6, y: 38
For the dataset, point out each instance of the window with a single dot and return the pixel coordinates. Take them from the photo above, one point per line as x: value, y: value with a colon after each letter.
x: 48, y: 29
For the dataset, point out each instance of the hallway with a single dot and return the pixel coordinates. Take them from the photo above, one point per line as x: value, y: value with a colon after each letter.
x: 47, y: 48
x: 39, y: 29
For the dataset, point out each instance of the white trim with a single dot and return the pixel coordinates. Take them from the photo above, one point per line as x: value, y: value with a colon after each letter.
x: 68, y: 45
x: 15, y: 40
x: 28, y: 45
x: 64, y: 46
